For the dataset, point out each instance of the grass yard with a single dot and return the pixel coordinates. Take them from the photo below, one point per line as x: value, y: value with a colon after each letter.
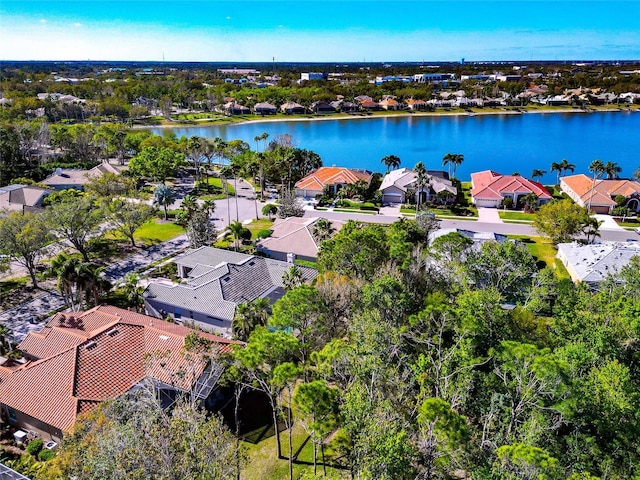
x: 512, y: 215
x: 263, y: 463
x: 256, y: 225
x: 353, y: 210
x: 544, y: 251
x: 151, y: 233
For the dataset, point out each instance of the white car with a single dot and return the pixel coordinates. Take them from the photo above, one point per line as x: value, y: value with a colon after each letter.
x: 637, y: 230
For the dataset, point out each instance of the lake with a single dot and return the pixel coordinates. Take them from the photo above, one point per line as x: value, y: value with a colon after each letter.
x: 504, y: 143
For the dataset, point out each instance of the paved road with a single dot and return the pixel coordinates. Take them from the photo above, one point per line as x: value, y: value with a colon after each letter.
x: 478, y: 226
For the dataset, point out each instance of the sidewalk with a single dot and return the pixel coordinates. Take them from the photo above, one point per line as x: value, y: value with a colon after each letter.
x: 27, y: 317
x: 608, y: 223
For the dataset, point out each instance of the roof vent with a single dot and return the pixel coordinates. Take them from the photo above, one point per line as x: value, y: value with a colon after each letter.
x: 113, y: 332
x: 90, y: 346
x: 164, y: 337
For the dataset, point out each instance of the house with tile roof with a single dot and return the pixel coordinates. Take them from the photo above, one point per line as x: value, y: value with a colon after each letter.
x: 80, y: 359
x: 265, y: 108
x: 22, y: 198
x: 489, y: 189
x: 293, y: 235
x: 333, y: 177
x: 65, y: 178
x: 214, y: 282
x: 291, y: 108
x: 397, y: 183
x: 594, y: 262
x: 600, y: 197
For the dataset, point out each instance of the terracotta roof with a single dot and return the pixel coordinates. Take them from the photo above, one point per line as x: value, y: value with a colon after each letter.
x: 491, y: 185
x: 96, y: 355
x: 317, y: 179
x: 604, y: 191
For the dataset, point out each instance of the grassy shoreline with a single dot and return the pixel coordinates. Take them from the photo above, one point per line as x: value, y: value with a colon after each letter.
x: 247, y: 119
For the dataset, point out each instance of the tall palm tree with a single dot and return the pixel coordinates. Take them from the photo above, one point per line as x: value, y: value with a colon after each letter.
x: 597, y: 168
x: 242, y: 321
x: 556, y: 167
x: 225, y: 173
x: 322, y: 230
x: 454, y: 159
x: 590, y: 228
x: 163, y: 197
x: 194, y: 145
x: 566, y: 166
x: 612, y: 169
x: 236, y: 230
x: 537, y: 173
x: 421, y: 181
x: 260, y: 309
x: 391, y: 162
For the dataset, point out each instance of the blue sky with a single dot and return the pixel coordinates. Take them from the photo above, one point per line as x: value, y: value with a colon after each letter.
x: 322, y: 31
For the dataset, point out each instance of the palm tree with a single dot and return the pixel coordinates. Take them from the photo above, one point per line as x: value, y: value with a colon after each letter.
x: 194, y: 146
x: 598, y: 169
x: 242, y: 322
x: 5, y: 344
x: 612, y: 169
x: 454, y: 159
x: 163, y: 197
x: 421, y: 181
x: 236, y: 230
x: 537, y: 173
x: 566, y: 166
x: 133, y: 290
x: 391, y: 161
x: 225, y: 173
x: 590, y: 228
x: 322, y: 230
x: 556, y: 167
x: 260, y: 308
x: 292, y: 278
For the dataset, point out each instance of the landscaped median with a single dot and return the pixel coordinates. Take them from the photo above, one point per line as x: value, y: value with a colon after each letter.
x: 464, y: 213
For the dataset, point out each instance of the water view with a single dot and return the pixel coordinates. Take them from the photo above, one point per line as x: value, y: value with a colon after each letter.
x: 505, y: 143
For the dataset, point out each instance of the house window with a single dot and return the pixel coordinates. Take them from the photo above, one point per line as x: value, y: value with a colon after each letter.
x: 12, y: 415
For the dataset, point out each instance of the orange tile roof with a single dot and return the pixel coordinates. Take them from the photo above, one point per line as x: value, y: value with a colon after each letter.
x: 323, y: 176
x: 604, y: 191
x: 81, y: 369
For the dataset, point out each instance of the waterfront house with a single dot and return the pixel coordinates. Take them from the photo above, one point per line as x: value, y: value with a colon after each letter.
x: 369, y: 105
x: 214, y: 282
x: 234, y: 108
x: 264, y: 108
x: 416, y: 104
x: 291, y: 108
x: 601, y: 195
x: 489, y: 189
x: 293, y: 236
x: 397, y: 183
x: 80, y: 359
x: 322, y: 107
x: 389, y: 104
x: 333, y: 177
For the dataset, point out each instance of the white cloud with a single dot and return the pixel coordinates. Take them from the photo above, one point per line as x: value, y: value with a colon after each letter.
x: 42, y: 20
x: 77, y: 24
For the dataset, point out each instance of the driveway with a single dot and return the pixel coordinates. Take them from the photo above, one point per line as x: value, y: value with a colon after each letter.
x: 488, y: 215
x: 608, y: 223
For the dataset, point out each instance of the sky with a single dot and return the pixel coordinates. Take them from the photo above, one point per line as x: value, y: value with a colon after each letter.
x: 319, y: 31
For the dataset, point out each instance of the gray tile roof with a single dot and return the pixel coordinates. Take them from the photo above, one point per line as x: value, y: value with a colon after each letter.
x: 215, y: 286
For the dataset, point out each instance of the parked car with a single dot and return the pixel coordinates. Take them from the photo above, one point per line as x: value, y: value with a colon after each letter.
x: 637, y: 230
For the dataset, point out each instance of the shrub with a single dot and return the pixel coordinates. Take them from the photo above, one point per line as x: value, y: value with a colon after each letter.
x: 45, y: 455
x: 34, y: 447
x: 263, y: 233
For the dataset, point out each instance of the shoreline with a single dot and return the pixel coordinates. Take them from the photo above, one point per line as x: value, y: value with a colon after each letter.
x: 338, y: 116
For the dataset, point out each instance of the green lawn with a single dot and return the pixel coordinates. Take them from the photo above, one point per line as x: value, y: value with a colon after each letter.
x: 543, y: 250
x: 212, y: 186
x: 353, y: 210
x: 264, y: 464
x: 151, y: 233
x: 256, y: 225
x: 512, y: 215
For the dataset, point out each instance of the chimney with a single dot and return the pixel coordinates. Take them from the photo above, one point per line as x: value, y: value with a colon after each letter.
x: 291, y: 258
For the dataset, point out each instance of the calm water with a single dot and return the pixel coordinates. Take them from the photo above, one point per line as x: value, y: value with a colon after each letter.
x: 504, y: 143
